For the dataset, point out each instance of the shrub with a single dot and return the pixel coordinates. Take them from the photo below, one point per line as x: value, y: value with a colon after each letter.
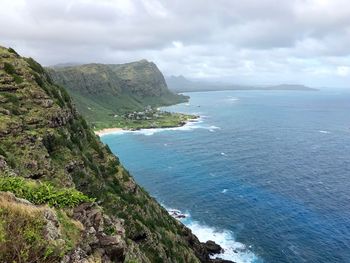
x: 38, y: 80
x: 35, y: 65
x: 2, y: 152
x: 109, y: 230
x: 43, y: 193
x: 97, y: 147
x: 17, y: 79
x: 9, y: 69
x: 11, y: 50
x: 51, y: 142
x: 57, y: 94
x: 69, y: 228
x: 12, y: 98
x: 64, y: 94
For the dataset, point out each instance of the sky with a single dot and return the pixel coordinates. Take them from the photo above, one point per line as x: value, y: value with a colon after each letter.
x: 242, y: 42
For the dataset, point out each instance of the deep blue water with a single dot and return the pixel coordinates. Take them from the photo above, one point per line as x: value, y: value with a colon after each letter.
x: 270, y: 170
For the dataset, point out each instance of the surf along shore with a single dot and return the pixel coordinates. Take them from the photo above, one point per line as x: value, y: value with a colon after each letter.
x: 187, y: 120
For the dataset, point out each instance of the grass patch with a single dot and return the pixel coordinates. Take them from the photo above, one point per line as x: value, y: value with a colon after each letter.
x: 22, y: 234
x: 43, y: 193
x: 70, y: 229
x: 17, y: 79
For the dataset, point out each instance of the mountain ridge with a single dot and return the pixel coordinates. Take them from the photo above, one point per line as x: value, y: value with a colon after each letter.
x: 182, y: 84
x: 102, y: 91
x: 65, y: 195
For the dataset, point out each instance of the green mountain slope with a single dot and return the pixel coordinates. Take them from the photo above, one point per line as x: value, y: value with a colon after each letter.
x: 64, y: 197
x: 102, y: 91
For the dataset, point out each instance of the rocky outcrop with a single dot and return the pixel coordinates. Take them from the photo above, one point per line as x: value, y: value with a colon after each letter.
x: 102, y: 236
x: 212, y: 247
x: 203, y: 250
x: 141, y: 79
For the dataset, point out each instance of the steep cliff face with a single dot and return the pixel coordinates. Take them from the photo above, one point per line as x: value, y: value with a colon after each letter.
x: 101, y: 91
x: 63, y: 165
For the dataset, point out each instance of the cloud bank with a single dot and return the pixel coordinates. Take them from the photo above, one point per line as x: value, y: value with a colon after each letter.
x: 244, y: 42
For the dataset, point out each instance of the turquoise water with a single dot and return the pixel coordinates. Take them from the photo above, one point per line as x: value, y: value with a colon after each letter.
x: 266, y: 174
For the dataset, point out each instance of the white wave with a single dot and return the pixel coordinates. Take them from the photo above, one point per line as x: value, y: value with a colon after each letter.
x: 213, y: 128
x: 224, y: 191
x: 177, y: 214
x: 189, y: 126
x: 325, y: 132
x: 223, y: 154
x: 233, y: 250
x: 233, y: 99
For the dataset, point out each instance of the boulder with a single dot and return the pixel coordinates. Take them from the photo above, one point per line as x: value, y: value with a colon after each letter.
x: 212, y: 247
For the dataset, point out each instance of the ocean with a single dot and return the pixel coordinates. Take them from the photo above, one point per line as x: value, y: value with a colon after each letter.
x: 264, y: 173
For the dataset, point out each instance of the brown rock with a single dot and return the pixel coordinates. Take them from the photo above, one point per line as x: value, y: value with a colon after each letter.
x: 212, y: 247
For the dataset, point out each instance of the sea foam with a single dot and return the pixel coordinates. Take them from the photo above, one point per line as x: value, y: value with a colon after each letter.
x: 189, y: 126
x: 233, y: 99
x: 325, y: 132
x: 233, y: 250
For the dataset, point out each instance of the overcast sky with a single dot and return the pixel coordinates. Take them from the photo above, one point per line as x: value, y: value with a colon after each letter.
x: 243, y: 41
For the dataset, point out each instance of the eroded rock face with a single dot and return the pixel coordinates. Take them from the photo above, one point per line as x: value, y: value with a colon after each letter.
x: 52, y: 230
x: 204, y: 250
x: 102, y: 235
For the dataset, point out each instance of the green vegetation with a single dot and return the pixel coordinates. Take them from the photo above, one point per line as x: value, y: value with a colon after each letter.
x: 50, y: 156
x: 104, y: 92
x: 22, y: 234
x: 12, y: 51
x: 70, y: 229
x: 159, y: 119
x: 42, y: 193
x: 9, y: 69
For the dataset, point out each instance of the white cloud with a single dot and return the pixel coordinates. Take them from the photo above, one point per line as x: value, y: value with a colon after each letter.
x: 277, y: 41
x: 343, y: 71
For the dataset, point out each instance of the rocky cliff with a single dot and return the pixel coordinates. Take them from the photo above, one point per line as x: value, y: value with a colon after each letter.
x: 64, y: 196
x: 101, y: 91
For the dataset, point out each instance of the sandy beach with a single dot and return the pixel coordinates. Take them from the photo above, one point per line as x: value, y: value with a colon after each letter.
x: 107, y: 131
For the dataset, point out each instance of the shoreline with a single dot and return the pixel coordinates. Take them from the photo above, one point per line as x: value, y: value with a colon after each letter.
x: 108, y: 131
x: 115, y: 130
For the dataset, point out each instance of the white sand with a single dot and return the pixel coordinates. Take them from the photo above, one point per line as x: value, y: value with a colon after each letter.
x: 108, y: 131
